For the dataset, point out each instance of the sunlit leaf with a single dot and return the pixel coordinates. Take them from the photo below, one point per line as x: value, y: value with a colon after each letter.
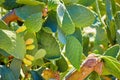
x: 12, y: 43
x: 74, y: 51
x: 80, y: 15
x: 112, y: 51
x: 34, y: 22
x: 112, y: 66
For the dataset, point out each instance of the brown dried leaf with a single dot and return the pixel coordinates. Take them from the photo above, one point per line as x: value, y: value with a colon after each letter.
x: 11, y: 16
x: 92, y: 63
x: 98, y: 68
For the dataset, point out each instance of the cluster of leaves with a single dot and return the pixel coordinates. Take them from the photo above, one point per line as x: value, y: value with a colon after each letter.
x: 52, y: 39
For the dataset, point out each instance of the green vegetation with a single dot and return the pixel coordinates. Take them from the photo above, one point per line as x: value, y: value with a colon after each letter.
x: 59, y: 40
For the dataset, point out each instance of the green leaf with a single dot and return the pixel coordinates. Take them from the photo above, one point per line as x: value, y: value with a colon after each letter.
x: 4, y: 53
x: 38, y: 62
x: 10, y: 4
x: 1, y: 1
x: 99, y: 38
x: 86, y: 2
x: 3, y: 25
x: 70, y: 1
x: 117, y: 19
x: 81, y: 16
x: 34, y: 22
x: 20, y: 48
x: 51, y: 21
x: 108, y: 11
x: 26, y: 11
x: 52, y: 4
x: 112, y: 51
x: 112, y: 65
x: 49, y: 43
x: 40, y: 54
x: 62, y: 64
x: 12, y: 44
x: 94, y: 76
x: 35, y: 75
x: 29, y: 2
x: 6, y: 73
x: 67, y: 25
x: 86, y: 42
x: 105, y: 71
x: 16, y: 69
x: 118, y: 36
x: 65, y: 22
x: 78, y: 34
x: 113, y: 3
x: 74, y: 51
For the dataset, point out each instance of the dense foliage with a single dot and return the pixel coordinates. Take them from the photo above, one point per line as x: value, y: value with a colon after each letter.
x: 59, y: 39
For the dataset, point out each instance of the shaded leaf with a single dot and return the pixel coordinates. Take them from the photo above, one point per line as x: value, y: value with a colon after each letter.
x: 16, y: 69
x: 36, y: 76
x: 10, y: 4
x: 51, y: 21
x: 85, y: 44
x: 29, y: 2
x: 94, y: 76
x: 62, y: 64
x: 78, y: 34
x: 26, y: 11
x: 48, y: 42
x: 6, y: 73
x: 118, y: 36
x: 4, y: 53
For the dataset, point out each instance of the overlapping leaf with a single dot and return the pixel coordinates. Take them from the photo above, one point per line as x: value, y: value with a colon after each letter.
x: 112, y: 65
x: 34, y: 22
x: 26, y: 11
x: 113, y: 51
x: 12, y: 43
x: 14, y: 69
x: 6, y: 73
x: 49, y: 43
x: 65, y: 21
x: 81, y: 16
x: 74, y: 51
x: 29, y: 2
